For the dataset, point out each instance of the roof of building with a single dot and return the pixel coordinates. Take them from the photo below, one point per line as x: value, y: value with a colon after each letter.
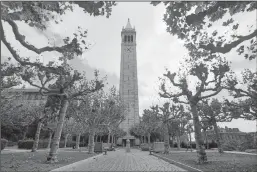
x: 128, y: 26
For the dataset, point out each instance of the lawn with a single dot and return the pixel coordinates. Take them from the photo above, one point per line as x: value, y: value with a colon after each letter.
x: 216, y: 161
x: 30, y: 161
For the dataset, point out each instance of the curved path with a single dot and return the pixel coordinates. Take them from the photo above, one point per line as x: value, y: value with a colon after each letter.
x: 119, y: 160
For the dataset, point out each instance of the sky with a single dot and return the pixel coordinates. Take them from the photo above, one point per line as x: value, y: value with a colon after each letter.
x: 156, y: 49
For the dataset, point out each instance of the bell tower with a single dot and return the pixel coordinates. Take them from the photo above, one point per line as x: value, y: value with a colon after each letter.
x: 128, y: 77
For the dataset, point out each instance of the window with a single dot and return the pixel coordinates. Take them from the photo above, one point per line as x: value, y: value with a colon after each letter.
x: 128, y: 38
x: 131, y: 38
x: 125, y: 38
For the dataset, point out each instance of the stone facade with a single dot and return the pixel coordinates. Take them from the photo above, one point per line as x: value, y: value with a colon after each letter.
x: 28, y: 96
x: 128, y: 80
x: 228, y: 134
x: 128, y: 77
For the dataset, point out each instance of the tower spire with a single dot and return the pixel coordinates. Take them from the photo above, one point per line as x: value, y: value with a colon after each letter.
x: 128, y: 26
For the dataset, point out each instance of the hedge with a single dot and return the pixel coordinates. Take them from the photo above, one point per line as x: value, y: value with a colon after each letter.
x: 3, y: 143
x: 28, y: 144
x: 236, y: 145
x: 145, y: 146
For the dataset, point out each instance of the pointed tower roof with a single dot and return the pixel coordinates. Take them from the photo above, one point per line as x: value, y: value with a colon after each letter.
x: 128, y: 25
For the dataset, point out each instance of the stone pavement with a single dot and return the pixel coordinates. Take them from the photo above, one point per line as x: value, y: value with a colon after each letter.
x: 119, y: 160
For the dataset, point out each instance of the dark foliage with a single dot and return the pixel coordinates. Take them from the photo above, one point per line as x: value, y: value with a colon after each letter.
x: 3, y: 143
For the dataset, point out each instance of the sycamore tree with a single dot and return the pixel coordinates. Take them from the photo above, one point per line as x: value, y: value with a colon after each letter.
x: 78, y: 129
x: 67, y: 129
x: 213, y: 112
x: 209, y: 79
x: 50, y: 126
x: 215, y: 27
x: 54, y: 78
x: 48, y: 112
x: 244, y: 92
x: 189, y: 131
x: 138, y: 131
x: 205, y: 125
x: 114, y: 112
x: 90, y: 110
x: 149, y: 122
x: 173, y: 118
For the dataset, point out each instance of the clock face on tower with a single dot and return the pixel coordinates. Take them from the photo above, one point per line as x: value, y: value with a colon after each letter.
x: 129, y: 49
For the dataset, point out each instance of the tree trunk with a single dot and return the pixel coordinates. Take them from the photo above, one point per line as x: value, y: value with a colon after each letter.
x: 149, y: 135
x: 52, y: 157
x: 172, y: 143
x: 166, y: 139
x: 190, y: 141
x: 109, y: 137
x: 50, y: 139
x: 77, y: 140
x: 198, y: 136
x: 25, y: 132
x: 206, y: 139
x: 36, y: 141
x: 91, y: 144
x: 216, y: 129
x: 95, y: 138
x: 112, y: 139
x: 65, y: 141
x: 178, y: 142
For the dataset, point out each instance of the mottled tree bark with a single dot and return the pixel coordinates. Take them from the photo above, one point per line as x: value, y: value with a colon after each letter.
x: 166, y: 139
x: 65, y: 140
x: 52, y: 157
x: 149, y: 142
x: 206, y: 139
x: 202, y: 157
x: 190, y: 141
x: 91, y: 144
x: 25, y: 132
x: 50, y: 139
x: 112, y: 140
x: 109, y: 137
x: 216, y: 129
x: 178, y: 141
x: 77, y: 141
x: 36, y: 141
x: 149, y: 137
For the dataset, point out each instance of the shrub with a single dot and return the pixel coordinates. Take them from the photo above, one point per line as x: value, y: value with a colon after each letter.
x: 11, y: 143
x: 3, y: 143
x: 25, y: 144
x: 183, y: 145
x: 145, y: 146
x: 42, y: 144
x: 213, y: 144
x: 236, y: 145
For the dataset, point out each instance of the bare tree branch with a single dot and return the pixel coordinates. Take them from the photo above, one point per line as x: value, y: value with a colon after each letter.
x: 227, y: 47
x: 21, y: 39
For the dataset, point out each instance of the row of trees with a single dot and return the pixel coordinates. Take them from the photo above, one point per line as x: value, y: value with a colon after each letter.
x: 55, y: 79
x: 67, y: 87
x: 196, y: 23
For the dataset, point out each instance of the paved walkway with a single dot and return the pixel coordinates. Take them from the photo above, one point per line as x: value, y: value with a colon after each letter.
x: 119, y: 160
